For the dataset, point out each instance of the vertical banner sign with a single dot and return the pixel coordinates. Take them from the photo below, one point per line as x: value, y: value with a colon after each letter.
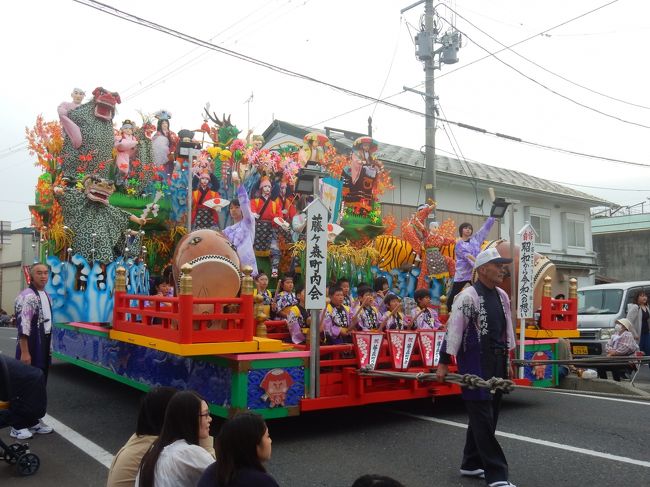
x: 316, y: 257
x: 525, y: 288
x: 525, y: 306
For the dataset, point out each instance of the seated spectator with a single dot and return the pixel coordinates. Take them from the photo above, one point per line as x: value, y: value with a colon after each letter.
x: 24, y: 387
x: 622, y: 343
x: 564, y: 353
x: 243, y: 445
x: 175, y: 457
x: 150, y: 420
x: 372, y: 480
x: 424, y: 317
x: 5, y: 319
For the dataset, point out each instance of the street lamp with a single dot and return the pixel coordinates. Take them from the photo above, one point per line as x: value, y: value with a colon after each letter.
x: 499, y: 207
x: 308, y: 179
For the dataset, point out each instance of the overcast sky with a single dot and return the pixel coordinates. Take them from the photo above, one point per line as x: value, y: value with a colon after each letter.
x: 49, y: 47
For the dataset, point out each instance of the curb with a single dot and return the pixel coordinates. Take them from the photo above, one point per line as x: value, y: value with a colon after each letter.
x: 606, y: 386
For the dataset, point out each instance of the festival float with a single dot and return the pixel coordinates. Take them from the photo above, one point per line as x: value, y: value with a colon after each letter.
x: 122, y: 207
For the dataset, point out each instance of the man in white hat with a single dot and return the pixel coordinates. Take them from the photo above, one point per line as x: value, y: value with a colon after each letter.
x: 480, y: 335
x: 621, y: 344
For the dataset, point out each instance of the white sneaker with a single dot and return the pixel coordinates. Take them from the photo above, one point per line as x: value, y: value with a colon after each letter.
x: 21, y: 434
x: 41, y: 428
x: 501, y: 483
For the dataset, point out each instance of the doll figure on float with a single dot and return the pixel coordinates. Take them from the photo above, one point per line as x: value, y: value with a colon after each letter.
x: 70, y: 128
x: 203, y: 165
x: 164, y: 141
x: 125, y: 144
x: 96, y: 226
x: 265, y: 210
x: 359, y: 181
x: 205, y: 204
x: 313, y: 149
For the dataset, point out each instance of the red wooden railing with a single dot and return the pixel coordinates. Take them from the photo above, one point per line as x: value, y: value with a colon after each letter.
x: 174, y: 318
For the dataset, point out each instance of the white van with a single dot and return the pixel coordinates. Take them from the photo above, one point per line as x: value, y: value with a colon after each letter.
x: 598, y: 309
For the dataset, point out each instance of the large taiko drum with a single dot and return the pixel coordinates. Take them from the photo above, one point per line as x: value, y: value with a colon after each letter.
x: 214, y: 261
x: 542, y: 267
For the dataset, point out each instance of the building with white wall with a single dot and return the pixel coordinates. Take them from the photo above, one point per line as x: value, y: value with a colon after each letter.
x: 17, y: 250
x: 560, y: 215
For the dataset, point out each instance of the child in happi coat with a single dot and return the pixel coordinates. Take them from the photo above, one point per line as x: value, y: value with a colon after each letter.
x: 335, y: 319
x: 262, y: 289
x: 344, y: 284
x: 394, y: 318
x: 424, y: 317
x: 286, y: 303
x: 366, y: 316
x: 381, y: 290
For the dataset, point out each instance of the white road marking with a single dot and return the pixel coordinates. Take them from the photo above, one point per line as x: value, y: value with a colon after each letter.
x: 604, y: 398
x: 84, y: 444
x: 535, y: 441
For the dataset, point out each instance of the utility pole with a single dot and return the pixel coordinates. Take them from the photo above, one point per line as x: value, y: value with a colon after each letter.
x: 429, y: 103
x: 425, y: 42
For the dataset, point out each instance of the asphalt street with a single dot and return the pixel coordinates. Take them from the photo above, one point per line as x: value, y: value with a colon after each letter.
x: 550, y: 438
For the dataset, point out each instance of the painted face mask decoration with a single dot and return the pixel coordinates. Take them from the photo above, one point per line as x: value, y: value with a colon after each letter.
x: 98, y: 189
x: 105, y: 102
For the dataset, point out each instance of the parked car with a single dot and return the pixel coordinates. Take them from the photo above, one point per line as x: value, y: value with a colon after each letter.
x: 598, y: 309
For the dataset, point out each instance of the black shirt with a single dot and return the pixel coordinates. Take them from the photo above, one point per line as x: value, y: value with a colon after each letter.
x: 496, y: 316
x: 246, y: 477
x: 645, y: 315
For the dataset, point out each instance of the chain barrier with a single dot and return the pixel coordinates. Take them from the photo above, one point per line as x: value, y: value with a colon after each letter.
x: 469, y: 381
x: 589, y: 361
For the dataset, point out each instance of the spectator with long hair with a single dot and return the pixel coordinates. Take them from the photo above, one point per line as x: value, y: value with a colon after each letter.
x: 150, y: 420
x: 639, y: 316
x: 176, y: 458
x: 243, y: 445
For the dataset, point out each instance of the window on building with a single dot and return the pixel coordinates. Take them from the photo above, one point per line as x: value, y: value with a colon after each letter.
x: 575, y: 233
x: 542, y: 226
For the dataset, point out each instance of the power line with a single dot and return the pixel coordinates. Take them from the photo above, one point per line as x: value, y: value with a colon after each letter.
x: 195, y: 59
x: 13, y: 148
x: 137, y: 20
x: 229, y: 52
x: 545, y: 31
x: 551, y: 90
x: 245, y: 17
x: 390, y: 68
x: 551, y: 180
x: 546, y: 69
x: 12, y: 152
x: 479, y: 205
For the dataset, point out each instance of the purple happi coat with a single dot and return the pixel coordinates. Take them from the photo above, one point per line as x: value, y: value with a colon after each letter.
x: 464, y: 265
x: 30, y: 322
x: 465, y: 328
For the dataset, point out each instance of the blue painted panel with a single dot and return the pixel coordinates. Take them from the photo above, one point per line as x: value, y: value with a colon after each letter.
x: 146, y: 365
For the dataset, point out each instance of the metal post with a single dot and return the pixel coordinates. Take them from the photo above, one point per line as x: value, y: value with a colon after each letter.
x: 314, y: 334
x: 513, y: 277
x: 430, y: 122
x: 192, y: 153
x: 314, y: 358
